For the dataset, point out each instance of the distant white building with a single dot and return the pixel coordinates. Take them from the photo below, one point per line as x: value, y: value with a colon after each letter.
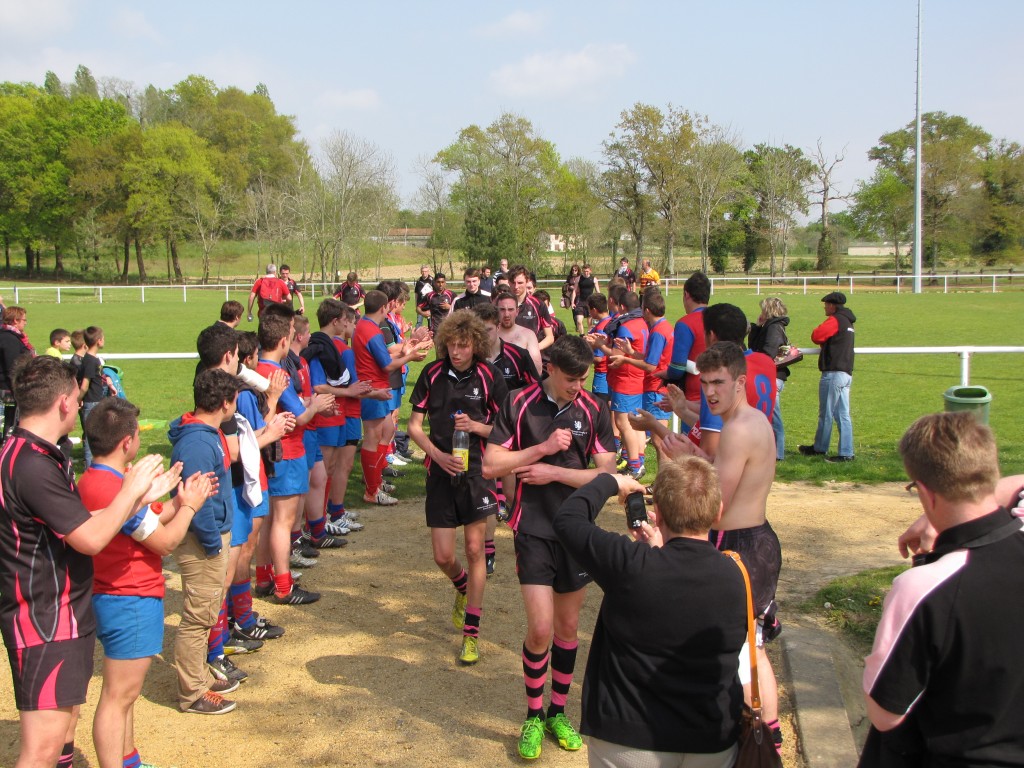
x: 561, y: 244
x: 878, y: 249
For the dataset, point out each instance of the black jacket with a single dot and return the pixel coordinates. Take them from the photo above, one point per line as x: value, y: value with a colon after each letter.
x: 837, y: 351
x: 662, y: 670
x: 768, y: 338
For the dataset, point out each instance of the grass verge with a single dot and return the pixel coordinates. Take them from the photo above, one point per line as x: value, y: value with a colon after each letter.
x: 853, y: 604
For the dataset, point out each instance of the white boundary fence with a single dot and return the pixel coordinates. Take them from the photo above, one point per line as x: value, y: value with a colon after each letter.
x: 760, y: 283
x: 965, y: 354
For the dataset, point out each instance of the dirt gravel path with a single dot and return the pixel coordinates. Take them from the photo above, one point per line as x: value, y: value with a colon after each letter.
x: 368, y: 676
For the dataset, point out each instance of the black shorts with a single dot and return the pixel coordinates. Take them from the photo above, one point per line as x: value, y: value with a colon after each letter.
x: 762, y: 555
x: 581, y: 309
x: 546, y: 563
x: 52, y: 675
x: 449, y: 505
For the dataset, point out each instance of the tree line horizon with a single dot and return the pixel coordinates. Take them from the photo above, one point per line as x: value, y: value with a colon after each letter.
x: 96, y: 174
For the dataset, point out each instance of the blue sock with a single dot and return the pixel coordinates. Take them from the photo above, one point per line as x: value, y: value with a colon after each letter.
x: 334, y: 511
x: 132, y: 761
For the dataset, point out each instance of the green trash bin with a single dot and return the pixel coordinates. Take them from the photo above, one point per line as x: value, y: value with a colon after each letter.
x: 974, y: 399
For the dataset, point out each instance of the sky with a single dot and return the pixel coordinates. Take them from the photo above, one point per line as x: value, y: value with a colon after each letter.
x: 409, y: 76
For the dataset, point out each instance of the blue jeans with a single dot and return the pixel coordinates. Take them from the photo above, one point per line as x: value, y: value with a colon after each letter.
x: 834, y: 405
x: 777, y: 427
x: 84, y: 413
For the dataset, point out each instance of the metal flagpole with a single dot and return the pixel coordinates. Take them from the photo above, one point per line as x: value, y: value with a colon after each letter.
x: 917, y: 165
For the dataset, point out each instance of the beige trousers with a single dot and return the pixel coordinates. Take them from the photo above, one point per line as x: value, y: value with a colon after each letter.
x: 202, y: 589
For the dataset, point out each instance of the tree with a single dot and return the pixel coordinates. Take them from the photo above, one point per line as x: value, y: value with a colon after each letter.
x: 85, y: 84
x: 622, y: 189
x: 779, y: 177
x: 884, y: 207
x: 952, y: 150
x: 662, y: 143
x: 717, y: 174
x: 504, y: 164
x: 822, y: 170
x: 1001, y: 214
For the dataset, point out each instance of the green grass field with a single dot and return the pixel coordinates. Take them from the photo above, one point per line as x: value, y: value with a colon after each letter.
x: 889, y: 391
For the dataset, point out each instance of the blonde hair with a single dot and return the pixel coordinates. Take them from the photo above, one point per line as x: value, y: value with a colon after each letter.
x: 772, y: 306
x: 952, y: 454
x: 687, y: 495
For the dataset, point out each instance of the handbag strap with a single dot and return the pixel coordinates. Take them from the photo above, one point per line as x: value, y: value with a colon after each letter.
x: 755, y: 692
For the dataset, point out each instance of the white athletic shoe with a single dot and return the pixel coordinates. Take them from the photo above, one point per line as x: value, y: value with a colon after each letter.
x: 337, y: 528
x: 352, y: 525
x: 395, y: 460
x: 382, y: 499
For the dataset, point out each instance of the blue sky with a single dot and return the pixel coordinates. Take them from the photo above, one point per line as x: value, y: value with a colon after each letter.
x: 409, y: 75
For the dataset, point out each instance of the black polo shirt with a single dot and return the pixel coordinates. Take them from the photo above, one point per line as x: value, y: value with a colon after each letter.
x: 516, y: 365
x: 534, y: 316
x: 437, y: 312
x: 440, y: 391
x: 45, y: 585
x: 527, y: 417
x: 947, y: 650
x: 470, y: 300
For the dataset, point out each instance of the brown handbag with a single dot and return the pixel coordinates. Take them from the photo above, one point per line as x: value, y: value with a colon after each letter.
x: 756, y: 748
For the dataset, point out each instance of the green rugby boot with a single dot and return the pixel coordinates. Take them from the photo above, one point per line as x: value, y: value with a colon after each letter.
x: 566, y: 736
x: 531, y: 738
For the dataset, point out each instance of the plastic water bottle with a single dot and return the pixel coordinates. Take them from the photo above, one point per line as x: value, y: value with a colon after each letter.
x: 460, y: 449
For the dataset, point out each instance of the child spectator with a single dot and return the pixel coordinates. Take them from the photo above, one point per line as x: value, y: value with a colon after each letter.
x: 78, y: 347
x: 202, y: 555
x: 92, y: 387
x: 128, y: 584
x: 60, y: 343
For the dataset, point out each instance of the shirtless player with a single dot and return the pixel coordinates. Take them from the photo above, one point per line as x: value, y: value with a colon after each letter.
x: 745, y: 461
x: 508, y: 309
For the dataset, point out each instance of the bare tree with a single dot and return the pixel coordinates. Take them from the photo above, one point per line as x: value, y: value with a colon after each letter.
x: 716, y: 172
x: 434, y: 196
x: 351, y: 167
x: 825, y: 190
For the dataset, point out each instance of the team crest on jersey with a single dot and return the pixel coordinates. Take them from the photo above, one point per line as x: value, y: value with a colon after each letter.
x: 577, y: 425
x: 508, y: 371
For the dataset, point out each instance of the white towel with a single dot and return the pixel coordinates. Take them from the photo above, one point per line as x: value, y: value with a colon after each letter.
x: 249, y: 453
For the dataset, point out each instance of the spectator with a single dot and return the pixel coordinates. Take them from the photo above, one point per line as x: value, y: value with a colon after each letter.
x: 423, y: 287
x: 769, y: 336
x: 660, y: 681
x: 93, y: 386
x: 486, y: 281
x: 60, y: 343
x: 944, y: 684
x: 648, y: 276
x: 835, y: 337
x: 571, y: 287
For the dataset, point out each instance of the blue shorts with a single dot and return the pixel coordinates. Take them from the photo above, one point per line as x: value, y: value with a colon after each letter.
x: 241, y: 522
x: 396, y: 399
x: 600, y: 385
x: 651, y: 400
x: 374, y: 409
x: 626, y: 403
x: 331, y: 437
x: 291, y: 478
x: 312, y: 446
x: 353, y: 430
x: 128, y: 626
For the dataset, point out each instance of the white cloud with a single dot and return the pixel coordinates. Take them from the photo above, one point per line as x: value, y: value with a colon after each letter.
x: 359, y: 99
x: 37, y: 20
x: 516, y: 24
x: 561, y: 73
x: 132, y: 24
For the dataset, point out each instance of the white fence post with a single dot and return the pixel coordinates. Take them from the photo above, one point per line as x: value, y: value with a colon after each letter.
x: 965, y: 368
x: 143, y: 294
x: 58, y: 294
x: 184, y: 293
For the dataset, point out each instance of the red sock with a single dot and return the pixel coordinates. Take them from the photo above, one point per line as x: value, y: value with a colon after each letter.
x: 368, y: 460
x: 264, y: 574
x: 283, y: 584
